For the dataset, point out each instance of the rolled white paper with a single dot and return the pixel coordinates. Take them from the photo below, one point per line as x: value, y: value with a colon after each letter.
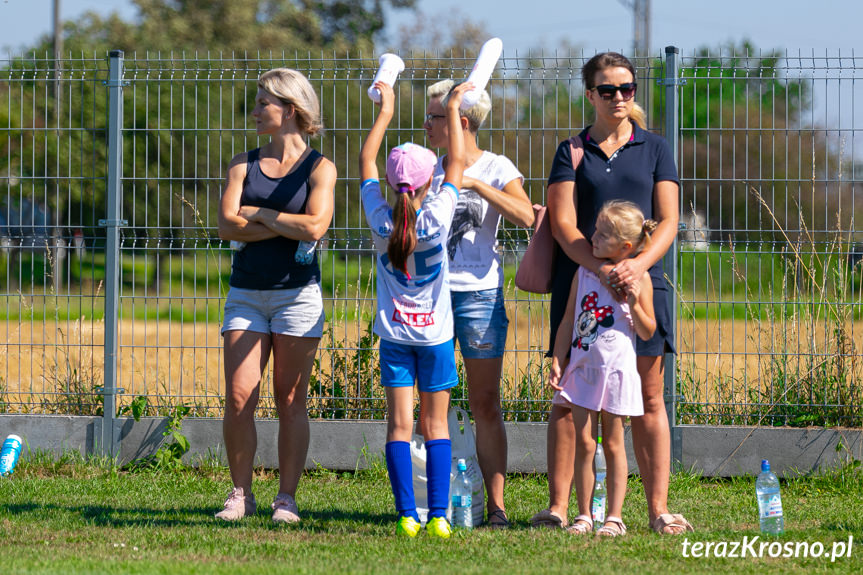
x: 482, y: 71
x: 390, y: 66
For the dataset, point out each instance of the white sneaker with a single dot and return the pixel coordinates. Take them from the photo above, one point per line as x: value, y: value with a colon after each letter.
x: 285, y: 509
x: 238, y: 505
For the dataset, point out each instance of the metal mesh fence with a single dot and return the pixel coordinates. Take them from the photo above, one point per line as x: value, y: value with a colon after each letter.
x: 768, y: 300
x: 769, y: 322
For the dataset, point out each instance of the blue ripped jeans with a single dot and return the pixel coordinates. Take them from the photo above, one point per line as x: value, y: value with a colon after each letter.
x: 480, y: 323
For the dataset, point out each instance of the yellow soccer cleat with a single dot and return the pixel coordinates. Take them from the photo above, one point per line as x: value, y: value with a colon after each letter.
x: 439, y: 527
x: 407, y: 527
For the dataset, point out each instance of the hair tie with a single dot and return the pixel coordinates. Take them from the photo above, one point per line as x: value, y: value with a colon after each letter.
x: 405, y: 190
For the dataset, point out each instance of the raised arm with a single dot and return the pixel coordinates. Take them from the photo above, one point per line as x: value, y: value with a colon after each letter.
x: 232, y: 225
x: 455, y: 138
x: 372, y: 143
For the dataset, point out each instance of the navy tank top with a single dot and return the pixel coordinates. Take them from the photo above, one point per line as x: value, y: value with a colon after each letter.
x: 269, y: 264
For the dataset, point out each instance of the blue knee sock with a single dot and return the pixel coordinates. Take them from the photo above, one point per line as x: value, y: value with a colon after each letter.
x: 438, y: 462
x: 401, y: 477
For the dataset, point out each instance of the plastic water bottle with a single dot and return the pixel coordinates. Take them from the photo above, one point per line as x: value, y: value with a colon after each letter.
x: 769, y: 501
x: 237, y: 245
x: 305, y: 252
x: 482, y: 71
x: 9, y: 454
x: 462, y: 510
x: 389, y: 68
x: 597, y: 508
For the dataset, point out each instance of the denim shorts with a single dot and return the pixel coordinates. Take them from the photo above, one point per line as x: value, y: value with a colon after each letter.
x: 432, y: 367
x: 297, y: 311
x: 480, y: 323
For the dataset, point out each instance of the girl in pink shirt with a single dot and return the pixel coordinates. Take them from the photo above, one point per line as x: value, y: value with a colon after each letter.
x: 595, y: 369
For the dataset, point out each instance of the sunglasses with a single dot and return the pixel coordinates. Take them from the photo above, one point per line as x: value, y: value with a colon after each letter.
x: 607, y: 91
x: 430, y: 117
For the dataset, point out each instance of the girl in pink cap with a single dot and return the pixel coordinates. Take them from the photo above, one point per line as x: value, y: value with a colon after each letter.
x: 594, y: 369
x: 414, y: 317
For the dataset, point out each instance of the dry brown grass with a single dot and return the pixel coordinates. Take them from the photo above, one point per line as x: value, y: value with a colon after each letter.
x: 182, y: 362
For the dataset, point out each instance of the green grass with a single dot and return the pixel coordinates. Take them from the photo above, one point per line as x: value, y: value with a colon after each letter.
x: 74, y: 516
x: 756, y: 283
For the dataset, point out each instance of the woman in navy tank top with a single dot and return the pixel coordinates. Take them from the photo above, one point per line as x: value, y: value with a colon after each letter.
x: 277, y: 202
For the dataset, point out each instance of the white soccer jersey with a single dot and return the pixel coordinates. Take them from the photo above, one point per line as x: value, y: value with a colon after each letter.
x: 415, y: 311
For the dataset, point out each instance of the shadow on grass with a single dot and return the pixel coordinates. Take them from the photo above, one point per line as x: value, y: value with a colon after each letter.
x: 107, y: 516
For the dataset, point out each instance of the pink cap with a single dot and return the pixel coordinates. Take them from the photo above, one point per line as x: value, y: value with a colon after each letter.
x: 410, y: 165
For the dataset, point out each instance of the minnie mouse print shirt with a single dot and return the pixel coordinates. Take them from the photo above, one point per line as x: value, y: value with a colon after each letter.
x: 602, y: 373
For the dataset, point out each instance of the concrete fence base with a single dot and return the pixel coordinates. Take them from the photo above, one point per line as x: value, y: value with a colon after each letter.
x: 348, y: 445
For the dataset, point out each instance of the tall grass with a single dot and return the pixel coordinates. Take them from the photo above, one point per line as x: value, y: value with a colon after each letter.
x: 802, y: 365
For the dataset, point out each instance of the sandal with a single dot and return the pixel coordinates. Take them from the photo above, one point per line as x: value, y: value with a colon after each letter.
x: 548, y: 518
x: 581, y: 525
x: 676, y: 522
x: 497, y: 519
x: 613, y: 527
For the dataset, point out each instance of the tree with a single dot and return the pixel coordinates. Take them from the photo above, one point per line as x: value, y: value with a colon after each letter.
x: 183, y: 59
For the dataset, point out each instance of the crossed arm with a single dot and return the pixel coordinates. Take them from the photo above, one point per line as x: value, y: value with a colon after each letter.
x: 252, y: 224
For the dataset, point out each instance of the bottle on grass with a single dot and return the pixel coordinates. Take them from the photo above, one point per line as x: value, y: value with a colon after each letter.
x: 769, y: 501
x: 599, y: 492
x: 462, y: 490
x: 9, y: 454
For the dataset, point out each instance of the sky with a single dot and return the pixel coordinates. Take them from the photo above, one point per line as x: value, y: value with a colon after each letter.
x: 813, y: 28
x: 828, y: 25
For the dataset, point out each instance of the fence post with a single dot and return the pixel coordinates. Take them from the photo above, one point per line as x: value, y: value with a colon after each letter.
x: 112, y: 223
x: 672, y: 134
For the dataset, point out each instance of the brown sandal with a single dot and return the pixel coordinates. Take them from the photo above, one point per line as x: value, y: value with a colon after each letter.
x: 497, y: 519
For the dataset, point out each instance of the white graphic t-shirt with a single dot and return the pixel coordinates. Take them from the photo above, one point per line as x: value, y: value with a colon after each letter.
x: 415, y: 311
x: 474, y: 260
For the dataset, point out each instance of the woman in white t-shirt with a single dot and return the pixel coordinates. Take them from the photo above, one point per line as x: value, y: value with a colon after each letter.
x: 491, y: 188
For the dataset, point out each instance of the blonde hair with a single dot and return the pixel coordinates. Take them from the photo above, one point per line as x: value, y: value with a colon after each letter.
x: 292, y: 88
x: 628, y: 223
x: 475, y: 115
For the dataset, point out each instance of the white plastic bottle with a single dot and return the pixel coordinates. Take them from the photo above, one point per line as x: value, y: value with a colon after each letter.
x: 769, y: 501
x: 305, y: 253
x: 462, y: 491
x: 482, y: 71
x: 389, y: 68
x: 599, y: 492
x: 9, y: 454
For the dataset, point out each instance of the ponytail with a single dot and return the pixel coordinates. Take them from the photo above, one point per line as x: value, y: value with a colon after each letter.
x: 647, y: 228
x: 639, y: 116
x: 403, y: 239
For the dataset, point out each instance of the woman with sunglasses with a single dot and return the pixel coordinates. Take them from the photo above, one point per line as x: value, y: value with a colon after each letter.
x: 622, y: 161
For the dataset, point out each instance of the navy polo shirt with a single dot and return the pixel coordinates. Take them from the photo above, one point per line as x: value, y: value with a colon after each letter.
x: 629, y: 174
